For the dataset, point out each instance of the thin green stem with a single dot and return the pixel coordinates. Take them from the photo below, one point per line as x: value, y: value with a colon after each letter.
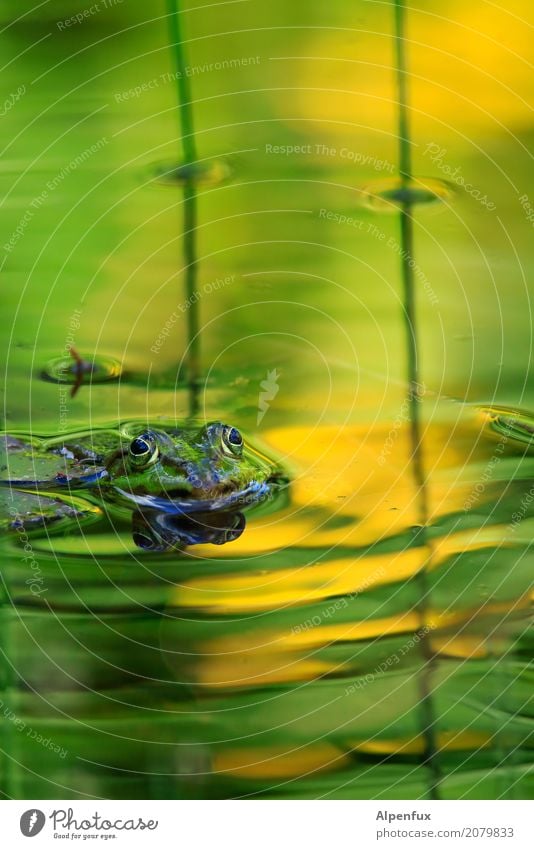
x: 405, y: 151
x: 189, y: 152
x: 407, y: 252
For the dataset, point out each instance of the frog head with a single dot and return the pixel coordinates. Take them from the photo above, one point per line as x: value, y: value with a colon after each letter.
x: 187, y: 469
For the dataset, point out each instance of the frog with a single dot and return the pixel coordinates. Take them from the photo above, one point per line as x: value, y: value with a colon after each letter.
x: 185, y: 471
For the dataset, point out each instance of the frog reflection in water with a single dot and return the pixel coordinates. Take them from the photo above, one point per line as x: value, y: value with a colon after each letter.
x: 184, y: 485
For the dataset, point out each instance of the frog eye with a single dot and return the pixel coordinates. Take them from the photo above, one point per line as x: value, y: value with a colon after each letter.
x: 143, y: 450
x: 232, y: 441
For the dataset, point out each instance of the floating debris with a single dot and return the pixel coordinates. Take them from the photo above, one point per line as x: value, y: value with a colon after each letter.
x: 392, y: 194
x: 510, y: 424
x: 77, y: 370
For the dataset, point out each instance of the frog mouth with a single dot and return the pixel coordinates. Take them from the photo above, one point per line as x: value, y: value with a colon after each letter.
x: 253, y: 493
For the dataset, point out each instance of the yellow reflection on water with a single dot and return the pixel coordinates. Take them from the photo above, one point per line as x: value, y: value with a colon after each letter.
x: 485, y: 89
x: 353, y: 493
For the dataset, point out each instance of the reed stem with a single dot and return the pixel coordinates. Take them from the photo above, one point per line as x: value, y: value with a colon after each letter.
x: 410, y: 322
x: 189, y: 158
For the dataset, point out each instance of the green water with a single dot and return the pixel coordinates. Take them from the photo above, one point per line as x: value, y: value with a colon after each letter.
x: 335, y: 649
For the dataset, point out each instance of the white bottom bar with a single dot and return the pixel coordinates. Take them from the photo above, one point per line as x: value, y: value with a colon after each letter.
x: 267, y: 824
